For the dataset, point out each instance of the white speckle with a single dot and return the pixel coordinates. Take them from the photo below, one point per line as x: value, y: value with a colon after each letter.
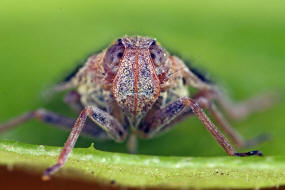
x: 147, y: 162
x: 41, y: 148
x: 178, y: 165
x: 269, y: 159
x: 211, y: 165
x: 116, y: 158
x: 156, y: 160
x: 86, y: 157
x: 103, y: 160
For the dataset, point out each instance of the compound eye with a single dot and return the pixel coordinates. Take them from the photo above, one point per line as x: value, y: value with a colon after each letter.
x: 114, y: 54
x: 157, y: 54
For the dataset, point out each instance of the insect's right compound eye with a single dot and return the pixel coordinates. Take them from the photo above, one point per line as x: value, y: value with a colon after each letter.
x: 157, y: 54
x: 114, y: 54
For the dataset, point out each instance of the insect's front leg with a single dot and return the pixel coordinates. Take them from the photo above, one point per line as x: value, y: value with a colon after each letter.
x: 167, y: 115
x: 107, y: 122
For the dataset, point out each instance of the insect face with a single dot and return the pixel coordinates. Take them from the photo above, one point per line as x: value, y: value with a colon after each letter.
x: 136, y: 85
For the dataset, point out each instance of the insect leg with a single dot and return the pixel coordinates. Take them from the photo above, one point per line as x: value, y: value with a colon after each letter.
x: 162, y: 117
x: 60, y: 121
x: 132, y: 143
x: 236, y: 111
x: 50, y: 92
x: 227, y: 128
x: 16, y: 121
x: 102, y: 119
x: 72, y: 99
x: 40, y: 114
x: 241, y: 110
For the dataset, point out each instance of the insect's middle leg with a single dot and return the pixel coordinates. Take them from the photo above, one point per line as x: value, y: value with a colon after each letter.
x: 72, y: 99
x: 161, y: 118
x: 108, y: 123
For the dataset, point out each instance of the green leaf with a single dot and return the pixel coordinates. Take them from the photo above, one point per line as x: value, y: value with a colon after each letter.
x: 236, y: 42
x: 150, y: 171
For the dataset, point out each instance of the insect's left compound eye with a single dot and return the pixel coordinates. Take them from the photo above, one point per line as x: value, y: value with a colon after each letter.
x: 157, y: 53
x: 114, y: 54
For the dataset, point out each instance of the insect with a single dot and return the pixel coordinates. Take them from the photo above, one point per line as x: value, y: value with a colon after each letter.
x: 136, y: 88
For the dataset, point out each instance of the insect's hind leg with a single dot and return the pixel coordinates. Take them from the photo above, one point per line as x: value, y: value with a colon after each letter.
x: 240, y: 110
x: 40, y: 114
x: 162, y: 118
x: 60, y: 121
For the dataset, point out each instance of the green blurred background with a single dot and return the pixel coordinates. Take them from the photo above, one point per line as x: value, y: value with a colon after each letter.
x: 240, y: 43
